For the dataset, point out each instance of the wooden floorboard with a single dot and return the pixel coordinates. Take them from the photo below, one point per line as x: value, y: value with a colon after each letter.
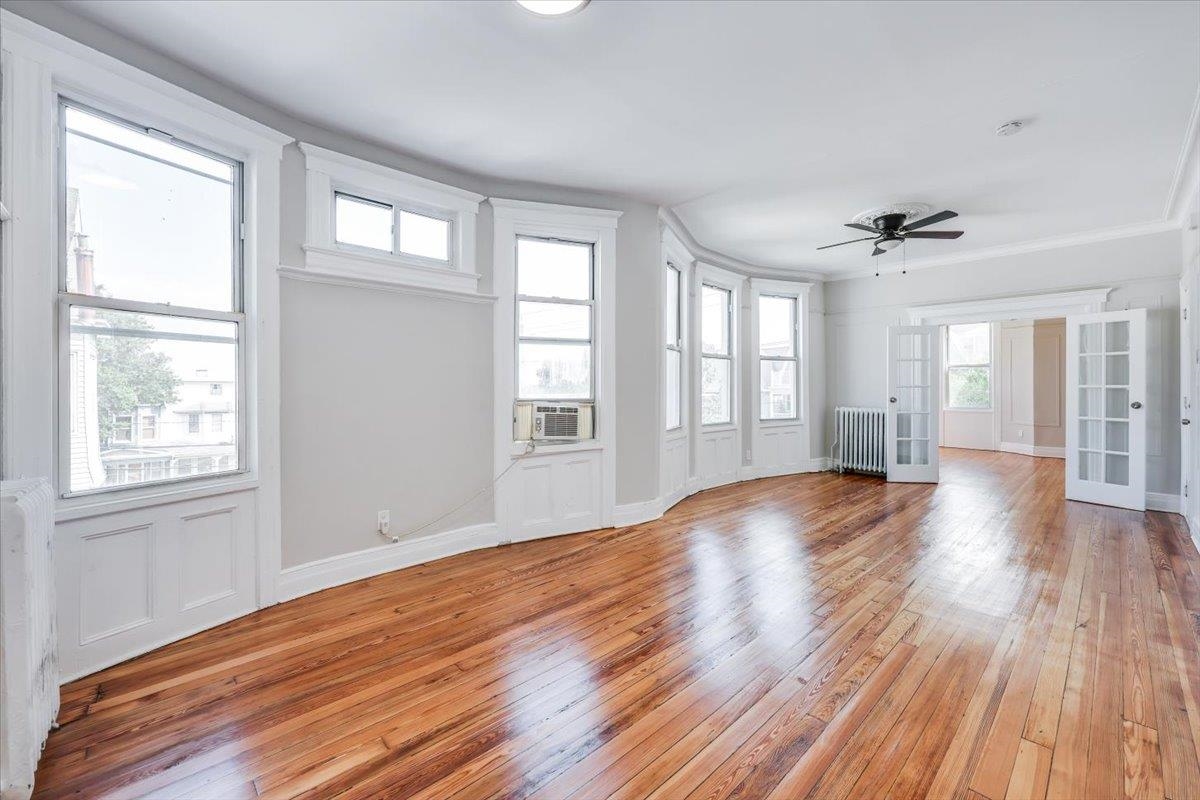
x: 817, y: 636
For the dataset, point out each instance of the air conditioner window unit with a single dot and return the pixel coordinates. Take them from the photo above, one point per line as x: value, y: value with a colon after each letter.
x: 552, y: 421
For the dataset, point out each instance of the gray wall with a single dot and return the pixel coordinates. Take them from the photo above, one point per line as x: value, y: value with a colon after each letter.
x: 361, y: 426
x: 1142, y: 270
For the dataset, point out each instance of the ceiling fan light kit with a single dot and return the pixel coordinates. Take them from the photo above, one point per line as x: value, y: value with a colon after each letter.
x: 889, y: 227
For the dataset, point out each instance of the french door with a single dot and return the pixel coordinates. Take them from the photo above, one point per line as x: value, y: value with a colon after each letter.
x: 914, y: 398
x: 1106, y: 414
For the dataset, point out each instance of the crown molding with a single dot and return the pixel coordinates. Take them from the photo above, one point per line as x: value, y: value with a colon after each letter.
x: 671, y: 221
x: 1187, y: 170
x: 1020, y: 248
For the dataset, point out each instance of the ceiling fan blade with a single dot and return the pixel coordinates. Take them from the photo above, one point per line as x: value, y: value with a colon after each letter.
x: 852, y: 241
x: 932, y: 219
x: 878, y: 252
x: 933, y: 235
x: 858, y: 227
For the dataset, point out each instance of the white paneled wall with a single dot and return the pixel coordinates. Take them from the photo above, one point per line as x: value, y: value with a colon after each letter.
x: 132, y: 580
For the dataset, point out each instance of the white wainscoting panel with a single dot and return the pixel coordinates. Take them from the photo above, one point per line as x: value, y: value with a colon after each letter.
x: 674, y: 468
x: 553, y: 493
x: 133, y: 580
x: 780, y: 449
x: 717, y: 459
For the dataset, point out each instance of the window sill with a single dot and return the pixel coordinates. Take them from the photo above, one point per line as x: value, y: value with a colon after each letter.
x: 520, y: 449
x: 970, y: 410
x: 390, y: 273
x: 132, y: 498
x: 718, y: 427
x: 675, y: 434
x: 781, y: 423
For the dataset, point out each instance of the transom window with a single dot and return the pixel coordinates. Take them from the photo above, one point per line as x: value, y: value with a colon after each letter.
x: 151, y: 292
x: 378, y: 225
x: 969, y: 366
x: 716, y: 355
x: 777, y: 335
x: 555, y: 305
x: 674, y: 344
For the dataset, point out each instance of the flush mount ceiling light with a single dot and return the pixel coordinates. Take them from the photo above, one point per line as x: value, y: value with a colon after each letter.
x: 552, y: 8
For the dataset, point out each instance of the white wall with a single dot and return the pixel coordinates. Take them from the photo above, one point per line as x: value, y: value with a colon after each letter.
x: 1143, y: 272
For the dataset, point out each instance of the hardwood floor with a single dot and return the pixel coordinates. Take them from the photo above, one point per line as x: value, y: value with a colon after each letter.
x: 811, y: 636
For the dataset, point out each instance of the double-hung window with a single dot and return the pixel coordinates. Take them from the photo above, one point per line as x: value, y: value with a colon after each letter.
x: 150, y: 255
x: 716, y: 355
x: 777, y: 347
x: 674, y: 344
x: 969, y: 366
x: 555, y: 307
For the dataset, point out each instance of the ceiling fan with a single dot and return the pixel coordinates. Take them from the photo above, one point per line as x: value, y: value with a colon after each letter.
x: 890, y: 230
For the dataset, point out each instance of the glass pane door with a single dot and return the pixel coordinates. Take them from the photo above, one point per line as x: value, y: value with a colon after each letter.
x: 913, y: 399
x: 1106, y: 416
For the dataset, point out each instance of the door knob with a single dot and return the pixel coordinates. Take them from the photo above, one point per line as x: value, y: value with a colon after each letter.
x: 891, y: 399
x: 1185, y: 422
x: 1135, y: 404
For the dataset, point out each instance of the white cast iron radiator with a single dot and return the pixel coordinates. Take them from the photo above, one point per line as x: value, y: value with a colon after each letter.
x: 859, y: 440
x: 28, y: 636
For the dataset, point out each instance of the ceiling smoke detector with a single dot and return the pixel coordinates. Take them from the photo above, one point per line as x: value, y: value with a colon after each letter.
x: 1009, y: 128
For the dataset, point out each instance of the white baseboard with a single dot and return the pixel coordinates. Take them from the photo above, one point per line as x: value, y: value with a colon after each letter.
x: 637, y: 513
x: 314, y: 576
x: 1157, y: 501
x: 1041, y: 451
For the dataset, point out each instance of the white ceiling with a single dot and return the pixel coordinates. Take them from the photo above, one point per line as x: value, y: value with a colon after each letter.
x: 764, y: 125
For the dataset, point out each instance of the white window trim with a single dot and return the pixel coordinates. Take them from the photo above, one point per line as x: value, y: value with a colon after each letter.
x: 732, y: 282
x: 329, y: 172
x: 947, y: 366
x: 798, y: 291
x: 675, y: 254
x: 513, y: 218
x: 675, y: 347
x: 38, y: 66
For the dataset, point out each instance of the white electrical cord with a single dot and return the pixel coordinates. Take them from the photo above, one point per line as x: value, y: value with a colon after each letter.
x: 529, y: 448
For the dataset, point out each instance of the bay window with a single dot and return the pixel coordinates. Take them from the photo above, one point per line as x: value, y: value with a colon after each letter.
x: 716, y: 355
x: 555, y: 304
x: 150, y: 254
x: 777, y: 363
x: 674, y: 343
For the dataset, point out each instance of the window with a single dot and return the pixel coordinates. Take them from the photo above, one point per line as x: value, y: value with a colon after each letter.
x: 969, y: 366
x: 716, y: 355
x: 150, y: 260
x: 215, y: 388
x: 554, y: 319
x: 777, y: 334
x: 218, y: 423
x: 362, y: 223
x: 674, y: 342
x: 193, y: 423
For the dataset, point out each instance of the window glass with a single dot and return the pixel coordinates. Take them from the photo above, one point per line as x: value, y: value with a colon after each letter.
x: 968, y: 344
x: 776, y: 326
x: 715, y: 406
x: 554, y: 320
x: 968, y: 366
x: 674, y: 383
x: 156, y: 367
x: 424, y: 236
x: 672, y: 309
x: 145, y: 218
x: 363, y: 223
x: 552, y: 371
x: 548, y: 268
x: 714, y: 320
x: 777, y: 389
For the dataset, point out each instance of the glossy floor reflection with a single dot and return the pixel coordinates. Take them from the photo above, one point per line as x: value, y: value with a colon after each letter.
x: 811, y: 636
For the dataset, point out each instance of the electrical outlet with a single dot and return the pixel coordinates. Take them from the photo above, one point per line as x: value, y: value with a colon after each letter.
x: 385, y: 521
x: 1020, y: 433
